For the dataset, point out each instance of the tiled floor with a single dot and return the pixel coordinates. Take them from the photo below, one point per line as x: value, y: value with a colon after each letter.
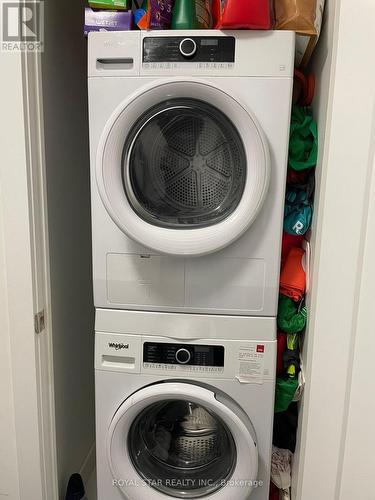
x: 91, y: 488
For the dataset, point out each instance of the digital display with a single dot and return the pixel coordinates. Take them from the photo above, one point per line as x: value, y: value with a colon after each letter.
x: 200, y: 355
x: 203, y: 349
x: 209, y: 42
x: 209, y: 49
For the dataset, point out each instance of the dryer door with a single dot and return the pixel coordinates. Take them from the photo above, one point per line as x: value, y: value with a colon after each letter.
x: 182, y: 168
x: 179, y: 440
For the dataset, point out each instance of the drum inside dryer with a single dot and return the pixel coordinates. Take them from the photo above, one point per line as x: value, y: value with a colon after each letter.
x: 182, y: 449
x: 184, y: 165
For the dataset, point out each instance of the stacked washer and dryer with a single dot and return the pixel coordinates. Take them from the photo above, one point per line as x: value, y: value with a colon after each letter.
x: 189, y: 140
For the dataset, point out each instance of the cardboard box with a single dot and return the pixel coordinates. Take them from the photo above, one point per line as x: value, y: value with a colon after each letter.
x: 107, y: 20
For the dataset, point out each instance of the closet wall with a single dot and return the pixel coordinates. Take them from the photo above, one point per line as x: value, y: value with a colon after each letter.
x: 67, y: 170
x: 317, y: 460
x: 334, y: 459
x: 322, y: 65
x: 67, y: 164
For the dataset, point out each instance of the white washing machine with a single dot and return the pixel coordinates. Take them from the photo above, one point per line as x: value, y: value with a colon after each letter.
x: 189, y: 139
x: 178, y: 418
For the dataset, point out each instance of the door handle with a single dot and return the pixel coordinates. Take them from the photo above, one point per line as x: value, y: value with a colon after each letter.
x: 115, y: 63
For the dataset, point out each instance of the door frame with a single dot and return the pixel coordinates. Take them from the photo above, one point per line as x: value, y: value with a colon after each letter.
x: 27, y: 286
x: 34, y: 133
x: 342, y: 228
x: 337, y: 351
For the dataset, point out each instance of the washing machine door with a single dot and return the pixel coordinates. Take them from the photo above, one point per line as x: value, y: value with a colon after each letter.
x: 182, y: 168
x: 181, y: 440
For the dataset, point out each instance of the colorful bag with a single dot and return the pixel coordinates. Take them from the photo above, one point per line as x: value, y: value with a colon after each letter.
x: 284, y: 393
x: 303, y: 141
x: 299, y: 205
x: 291, y: 317
x: 293, y: 275
x: 158, y: 15
x: 297, y: 217
x: 243, y: 14
x: 290, y: 241
x: 281, y: 347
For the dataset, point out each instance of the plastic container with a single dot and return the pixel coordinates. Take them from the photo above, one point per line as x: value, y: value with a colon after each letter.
x: 191, y: 14
x: 183, y: 17
x: 243, y: 14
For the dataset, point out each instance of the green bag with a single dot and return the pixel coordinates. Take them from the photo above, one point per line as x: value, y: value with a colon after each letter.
x: 284, y: 394
x: 290, y: 319
x: 303, y: 141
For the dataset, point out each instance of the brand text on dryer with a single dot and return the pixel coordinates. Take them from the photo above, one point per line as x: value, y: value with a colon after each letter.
x: 118, y: 345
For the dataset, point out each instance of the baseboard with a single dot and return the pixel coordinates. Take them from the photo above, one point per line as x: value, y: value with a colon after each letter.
x: 88, y: 465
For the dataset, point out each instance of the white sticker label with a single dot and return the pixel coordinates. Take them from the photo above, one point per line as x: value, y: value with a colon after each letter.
x: 251, y: 364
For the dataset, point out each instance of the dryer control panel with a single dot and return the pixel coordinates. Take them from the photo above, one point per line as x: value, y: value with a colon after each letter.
x: 208, y: 49
x: 247, y: 361
x: 183, y: 354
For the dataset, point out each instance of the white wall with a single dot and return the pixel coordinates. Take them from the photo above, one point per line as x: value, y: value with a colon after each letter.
x: 8, y: 452
x: 20, y: 439
x: 335, y: 415
x: 358, y: 460
x: 357, y: 463
x: 322, y: 65
x: 67, y: 171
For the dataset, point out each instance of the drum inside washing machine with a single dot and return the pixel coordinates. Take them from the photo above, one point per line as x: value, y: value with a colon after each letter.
x: 184, y: 165
x: 182, y: 449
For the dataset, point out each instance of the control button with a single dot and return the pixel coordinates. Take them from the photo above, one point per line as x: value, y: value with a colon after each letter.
x: 183, y: 356
x: 188, y: 47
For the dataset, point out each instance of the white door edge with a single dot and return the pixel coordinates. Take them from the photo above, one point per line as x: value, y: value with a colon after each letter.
x: 334, y: 457
x: 34, y: 134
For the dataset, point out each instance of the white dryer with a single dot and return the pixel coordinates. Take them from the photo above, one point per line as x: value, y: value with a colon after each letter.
x: 179, y: 418
x: 189, y: 140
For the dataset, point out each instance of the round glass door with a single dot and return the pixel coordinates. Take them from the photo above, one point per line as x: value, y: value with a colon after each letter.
x: 184, y: 165
x: 182, y: 449
x: 180, y: 440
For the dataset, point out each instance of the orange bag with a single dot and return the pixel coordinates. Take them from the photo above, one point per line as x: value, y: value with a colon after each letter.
x: 293, y: 275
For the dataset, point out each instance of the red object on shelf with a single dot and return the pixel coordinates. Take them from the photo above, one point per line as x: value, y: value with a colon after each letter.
x: 243, y: 14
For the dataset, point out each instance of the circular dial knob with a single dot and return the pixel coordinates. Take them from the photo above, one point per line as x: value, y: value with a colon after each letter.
x: 183, y: 356
x: 188, y: 47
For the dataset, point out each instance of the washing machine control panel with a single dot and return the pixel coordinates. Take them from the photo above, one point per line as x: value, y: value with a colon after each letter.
x: 157, y: 353
x: 207, y: 49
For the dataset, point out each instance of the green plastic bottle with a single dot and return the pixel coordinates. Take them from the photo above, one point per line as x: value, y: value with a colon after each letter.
x: 183, y: 15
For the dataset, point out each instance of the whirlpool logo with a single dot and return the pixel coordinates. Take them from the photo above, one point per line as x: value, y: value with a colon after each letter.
x: 118, y: 345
